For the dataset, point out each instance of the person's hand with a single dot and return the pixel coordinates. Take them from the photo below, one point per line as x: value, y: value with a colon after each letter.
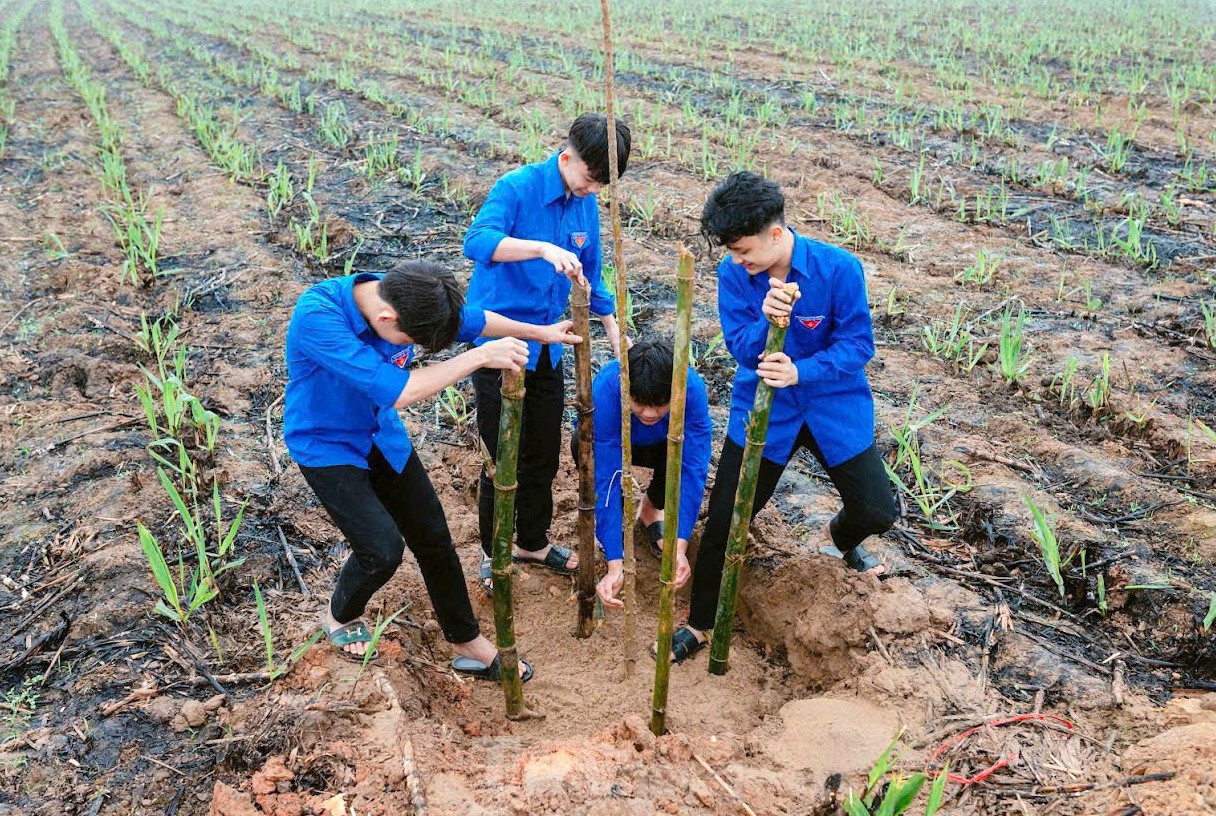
x: 558, y: 333
x: 778, y: 303
x: 777, y: 370
x: 565, y: 262
x: 611, y: 584
x: 683, y: 571
x: 506, y: 353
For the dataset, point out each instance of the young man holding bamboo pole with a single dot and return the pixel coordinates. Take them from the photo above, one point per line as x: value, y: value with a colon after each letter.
x: 651, y: 368
x: 538, y: 231
x: 822, y: 400
x: 349, y: 347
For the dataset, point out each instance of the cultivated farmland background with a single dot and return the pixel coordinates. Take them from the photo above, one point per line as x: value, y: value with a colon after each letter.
x: 1031, y: 189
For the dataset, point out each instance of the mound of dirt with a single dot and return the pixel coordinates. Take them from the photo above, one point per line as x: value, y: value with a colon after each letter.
x: 1188, y: 749
x: 830, y: 646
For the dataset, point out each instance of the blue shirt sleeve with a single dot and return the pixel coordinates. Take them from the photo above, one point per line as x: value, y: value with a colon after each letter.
x: 852, y: 343
x: 472, y: 324
x: 694, y: 469
x: 326, y: 339
x: 494, y: 222
x: 603, y: 302
x: 606, y: 396
x: 744, y: 326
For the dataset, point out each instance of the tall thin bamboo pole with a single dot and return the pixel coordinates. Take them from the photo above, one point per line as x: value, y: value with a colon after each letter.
x: 745, y: 496
x: 580, y: 310
x: 671, y: 500
x: 504, y: 528
x: 629, y: 595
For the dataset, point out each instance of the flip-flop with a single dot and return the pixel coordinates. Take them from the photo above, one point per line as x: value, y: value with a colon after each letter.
x: 684, y: 644
x: 354, y: 632
x: 485, y: 575
x: 655, y: 534
x: 860, y: 559
x: 493, y: 672
x: 554, y: 560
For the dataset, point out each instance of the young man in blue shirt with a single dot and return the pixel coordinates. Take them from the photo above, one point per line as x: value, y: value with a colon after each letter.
x: 650, y: 373
x: 349, y: 346
x: 538, y: 231
x: 822, y: 400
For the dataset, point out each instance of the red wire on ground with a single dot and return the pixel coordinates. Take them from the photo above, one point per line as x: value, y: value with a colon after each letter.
x: 1003, y: 761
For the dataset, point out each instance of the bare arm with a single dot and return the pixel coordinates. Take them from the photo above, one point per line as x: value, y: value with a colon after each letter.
x: 499, y: 326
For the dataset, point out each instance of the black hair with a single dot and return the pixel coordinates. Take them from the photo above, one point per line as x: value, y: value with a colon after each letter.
x: 589, y: 139
x: 651, y: 363
x: 744, y: 204
x: 427, y: 300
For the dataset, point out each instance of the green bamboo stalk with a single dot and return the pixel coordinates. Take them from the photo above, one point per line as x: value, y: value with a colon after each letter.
x: 580, y: 310
x: 671, y: 501
x: 504, y: 528
x: 628, y: 509
x: 741, y: 519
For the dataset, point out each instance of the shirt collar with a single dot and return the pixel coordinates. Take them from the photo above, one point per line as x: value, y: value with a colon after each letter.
x: 554, y: 187
x: 358, y: 323
x: 800, y: 259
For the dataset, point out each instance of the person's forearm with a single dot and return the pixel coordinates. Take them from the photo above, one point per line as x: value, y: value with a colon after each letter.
x: 517, y: 249
x: 500, y: 326
x: 430, y: 380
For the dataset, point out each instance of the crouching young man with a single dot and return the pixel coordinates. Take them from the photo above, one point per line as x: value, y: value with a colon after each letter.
x: 822, y: 401
x: 349, y: 347
x: 651, y: 365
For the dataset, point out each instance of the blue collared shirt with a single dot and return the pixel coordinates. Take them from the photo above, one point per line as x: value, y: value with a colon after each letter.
x: 531, y: 203
x: 830, y: 340
x: 694, y: 469
x: 343, y: 380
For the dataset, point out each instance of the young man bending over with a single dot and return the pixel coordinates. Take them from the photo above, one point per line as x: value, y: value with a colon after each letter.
x: 349, y: 346
x: 822, y: 400
x: 538, y: 230
x: 650, y: 372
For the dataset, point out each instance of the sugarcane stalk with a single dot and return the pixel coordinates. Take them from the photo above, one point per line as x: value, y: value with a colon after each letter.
x: 580, y: 310
x: 745, y: 496
x: 671, y: 496
x: 504, y: 528
x: 628, y: 507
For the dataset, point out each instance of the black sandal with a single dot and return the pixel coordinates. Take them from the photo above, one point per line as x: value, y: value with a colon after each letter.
x: 493, y: 672
x: 655, y: 534
x: 860, y: 559
x: 684, y: 644
x: 554, y: 560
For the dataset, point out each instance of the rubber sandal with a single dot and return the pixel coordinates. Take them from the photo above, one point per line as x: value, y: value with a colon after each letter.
x: 485, y: 575
x: 493, y: 672
x: 860, y: 559
x: 554, y: 560
x: 655, y: 534
x: 684, y: 644
x: 354, y: 632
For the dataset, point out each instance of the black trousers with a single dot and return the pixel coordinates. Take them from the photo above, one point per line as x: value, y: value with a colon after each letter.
x: 869, y: 509
x: 540, y: 446
x: 647, y: 456
x: 375, y: 509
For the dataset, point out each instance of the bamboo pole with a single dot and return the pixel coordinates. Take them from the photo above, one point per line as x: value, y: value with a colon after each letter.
x: 504, y: 528
x: 671, y: 500
x: 745, y: 496
x: 580, y: 310
x: 628, y: 509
